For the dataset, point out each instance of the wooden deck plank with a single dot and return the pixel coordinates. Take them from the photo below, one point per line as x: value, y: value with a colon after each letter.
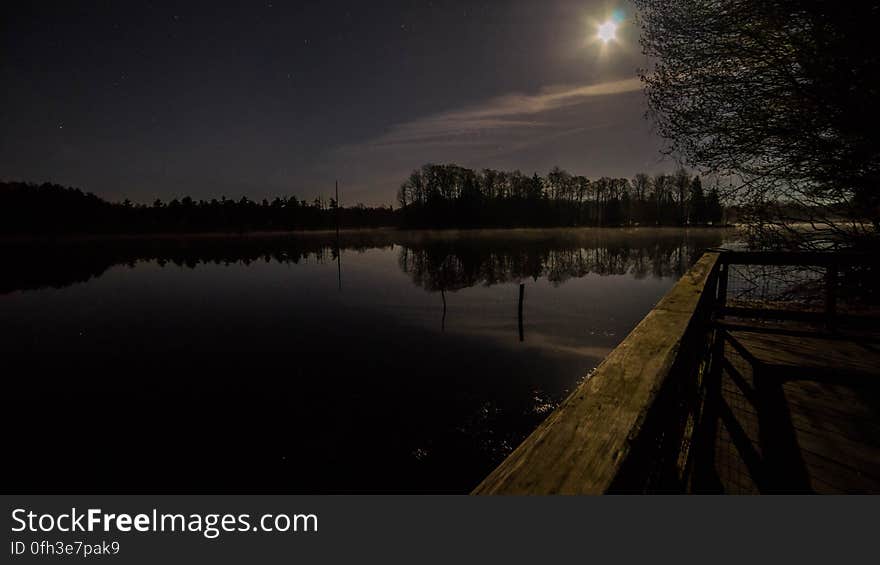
x: 828, y: 391
x: 834, y: 355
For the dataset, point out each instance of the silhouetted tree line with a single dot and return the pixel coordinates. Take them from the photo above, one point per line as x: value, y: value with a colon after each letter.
x: 52, y: 209
x: 454, y: 196
x: 433, y: 196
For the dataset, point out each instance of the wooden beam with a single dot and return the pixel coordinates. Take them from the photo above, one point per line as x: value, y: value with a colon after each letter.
x: 803, y: 258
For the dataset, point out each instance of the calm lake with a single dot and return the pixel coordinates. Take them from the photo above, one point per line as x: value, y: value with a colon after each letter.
x: 382, y: 361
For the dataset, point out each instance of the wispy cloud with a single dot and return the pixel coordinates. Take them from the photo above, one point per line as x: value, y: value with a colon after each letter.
x: 508, y: 112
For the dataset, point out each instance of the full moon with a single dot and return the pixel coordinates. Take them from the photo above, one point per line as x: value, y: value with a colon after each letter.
x: 607, y: 31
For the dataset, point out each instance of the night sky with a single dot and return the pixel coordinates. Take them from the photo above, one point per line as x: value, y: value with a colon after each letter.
x: 156, y: 99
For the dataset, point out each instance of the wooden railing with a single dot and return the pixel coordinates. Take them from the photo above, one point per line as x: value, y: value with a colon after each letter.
x: 633, y: 426
x: 807, y: 286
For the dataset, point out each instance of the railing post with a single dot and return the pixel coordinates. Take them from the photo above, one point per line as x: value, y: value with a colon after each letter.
x: 721, y: 299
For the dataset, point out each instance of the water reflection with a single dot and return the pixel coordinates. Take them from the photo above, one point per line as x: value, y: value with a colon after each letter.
x: 436, y: 261
x: 35, y: 264
x: 486, y: 258
x: 237, y: 364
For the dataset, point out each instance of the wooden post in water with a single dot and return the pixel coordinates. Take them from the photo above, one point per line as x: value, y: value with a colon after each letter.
x: 338, y: 265
x: 443, y: 319
x: 522, y: 289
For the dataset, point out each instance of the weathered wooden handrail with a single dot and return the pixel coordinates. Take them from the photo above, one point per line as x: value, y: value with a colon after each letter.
x: 796, y: 258
x: 616, y: 420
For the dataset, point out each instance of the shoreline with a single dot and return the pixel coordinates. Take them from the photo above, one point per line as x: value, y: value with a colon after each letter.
x: 267, y: 234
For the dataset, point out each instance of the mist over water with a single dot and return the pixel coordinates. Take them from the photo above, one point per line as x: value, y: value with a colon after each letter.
x: 380, y: 361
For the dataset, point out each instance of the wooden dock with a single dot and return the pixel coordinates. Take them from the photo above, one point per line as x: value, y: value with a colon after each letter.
x: 708, y: 395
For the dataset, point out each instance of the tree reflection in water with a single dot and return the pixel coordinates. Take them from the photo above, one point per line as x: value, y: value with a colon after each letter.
x: 434, y: 260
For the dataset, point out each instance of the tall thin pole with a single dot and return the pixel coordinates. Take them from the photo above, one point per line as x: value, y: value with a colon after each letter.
x: 337, y: 210
x: 338, y: 249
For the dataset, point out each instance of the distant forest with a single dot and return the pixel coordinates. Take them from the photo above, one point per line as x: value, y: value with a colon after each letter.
x: 454, y: 196
x: 53, y: 209
x: 435, y: 196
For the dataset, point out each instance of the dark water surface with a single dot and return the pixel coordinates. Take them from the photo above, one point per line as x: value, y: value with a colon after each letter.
x: 277, y: 363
